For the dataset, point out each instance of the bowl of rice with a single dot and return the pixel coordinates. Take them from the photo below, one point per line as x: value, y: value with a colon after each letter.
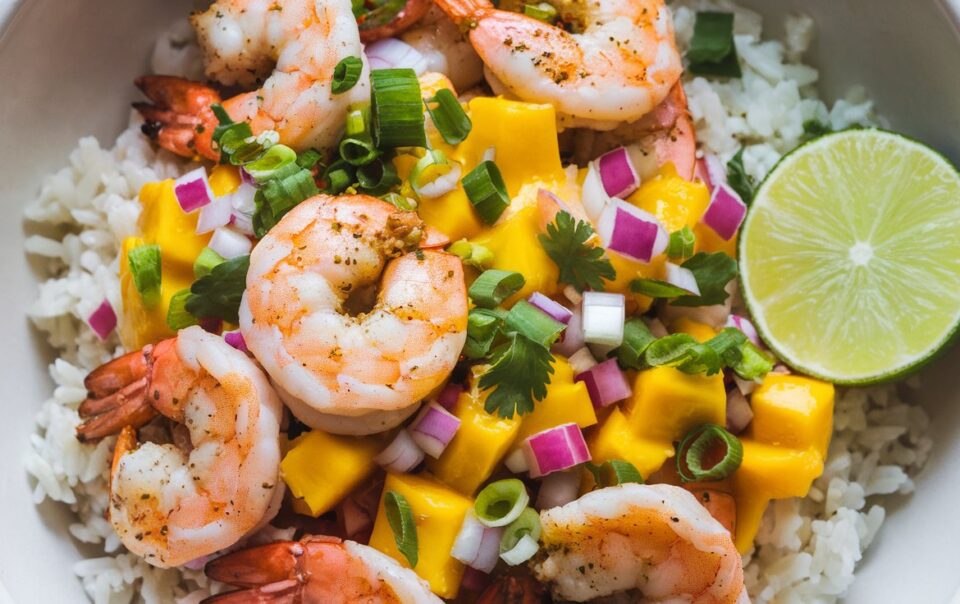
x: 877, y: 526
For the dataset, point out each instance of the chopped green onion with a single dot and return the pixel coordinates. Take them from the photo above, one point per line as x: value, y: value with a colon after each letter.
x: 670, y: 351
x: 288, y: 188
x: 533, y: 323
x: 614, y: 472
x: 346, y: 74
x: 494, y: 286
x: 428, y: 168
x: 308, y: 159
x: 358, y: 119
x: 205, y: 262
x: 708, y: 453
x: 501, y: 502
x: 636, y: 339
x: 403, y: 525
x: 449, y: 117
x: 727, y: 345
x: 472, y: 254
x: 233, y: 138
x: 703, y: 359
x: 339, y: 175
x: 178, y: 317
x: 378, y: 176
x: 487, y: 192
x: 482, y: 327
x: 272, y: 163
x: 526, y: 524
x: 681, y: 244
x: 144, y: 262
x: 541, y: 11
x: 397, y: 109
x: 401, y: 202
x: 358, y: 150
x: 712, y: 50
x: 753, y: 363
x: 655, y: 288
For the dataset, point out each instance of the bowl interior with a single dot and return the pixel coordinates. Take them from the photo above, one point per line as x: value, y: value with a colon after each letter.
x: 67, y: 67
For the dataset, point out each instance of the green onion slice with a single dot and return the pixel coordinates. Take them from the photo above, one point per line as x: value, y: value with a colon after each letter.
x: 449, y: 117
x: 487, y: 192
x: 205, y: 262
x: 144, y: 262
x: 397, y: 109
x: 703, y: 359
x: 403, y: 525
x: 358, y: 150
x: 527, y: 523
x: 309, y: 158
x: 428, y: 168
x: 655, y: 288
x: 378, y: 176
x: 472, y: 254
x: 614, y: 472
x: 494, y: 286
x: 708, y: 453
x: 288, y: 187
x: 670, y: 351
x: 501, y: 502
x: 358, y: 119
x: 636, y: 339
x: 346, y: 74
x: 542, y: 11
x: 712, y: 50
x: 482, y: 327
x: 401, y: 202
x: 178, y: 317
x: 272, y: 163
x: 534, y: 323
x: 681, y: 244
x: 753, y: 363
x: 727, y: 345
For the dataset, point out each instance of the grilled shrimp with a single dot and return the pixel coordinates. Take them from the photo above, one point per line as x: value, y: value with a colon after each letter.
x: 656, y: 539
x: 352, y: 320
x: 317, y: 569
x: 291, y: 47
x: 618, y: 67
x: 172, y: 503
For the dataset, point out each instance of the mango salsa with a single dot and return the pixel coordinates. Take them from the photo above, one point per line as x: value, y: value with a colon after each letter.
x: 322, y: 469
x: 439, y: 512
x: 566, y: 402
x: 675, y: 201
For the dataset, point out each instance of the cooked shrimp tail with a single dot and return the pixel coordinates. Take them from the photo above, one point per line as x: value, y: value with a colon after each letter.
x: 180, y: 117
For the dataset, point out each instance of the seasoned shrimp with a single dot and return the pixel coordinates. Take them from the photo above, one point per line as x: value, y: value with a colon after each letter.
x: 172, y: 503
x: 291, y: 47
x: 618, y: 67
x: 345, y: 357
x: 656, y: 539
x: 317, y: 569
x: 446, y: 49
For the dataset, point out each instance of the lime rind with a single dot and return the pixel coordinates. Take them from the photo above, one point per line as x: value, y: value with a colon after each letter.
x: 844, y: 294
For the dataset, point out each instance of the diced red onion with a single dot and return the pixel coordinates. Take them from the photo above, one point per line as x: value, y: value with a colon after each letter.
x: 746, y: 387
x: 682, y: 278
x: 474, y: 580
x: 434, y: 428
x: 516, y: 462
x: 553, y: 309
x: 103, y: 320
x: 571, y: 293
x: 355, y: 519
x: 215, y: 214
x: 725, y: 212
x: 617, y: 174
x: 555, y: 449
x: 571, y: 339
x: 603, y: 318
x: 739, y: 413
x: 744, y: 325
x: 246, y: 178
x: 229, y: 243
x: 389, y: 53
x: 559, y: 488
x: 711, y: 171
x: 582, y: 360
x: 235, y: 339
x: 477, y: 546
x: 593, y: 196
x: 401, y: 455
x: 192, y: 190
x: 442, y: 184
x: 449, y: 395
x: 631, y: 232
x: 605, y: 383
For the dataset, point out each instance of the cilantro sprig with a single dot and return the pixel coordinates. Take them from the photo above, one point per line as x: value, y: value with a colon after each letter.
x: 217, y: 295
x: 582, y: 265
x: 519, y: 373
x: 712, y: 273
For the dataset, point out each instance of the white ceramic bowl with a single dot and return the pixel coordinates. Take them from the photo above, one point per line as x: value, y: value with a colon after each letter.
x: 65, y: 71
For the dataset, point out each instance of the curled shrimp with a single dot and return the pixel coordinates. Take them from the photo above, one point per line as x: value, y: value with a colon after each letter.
x: 618, y: 67
x: 291, y: 47
x: 316, y: 569
x: 354, y: 322
x: 174, y: 502
x: 656, y: 539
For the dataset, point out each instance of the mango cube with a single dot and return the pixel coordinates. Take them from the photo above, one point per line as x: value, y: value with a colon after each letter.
x: 793, y: 411
x: 616, y: 439
x: 675, y: 201
x: 667, y: 403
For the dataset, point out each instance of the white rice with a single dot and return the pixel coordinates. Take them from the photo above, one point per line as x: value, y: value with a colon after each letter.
x: 806, y: 550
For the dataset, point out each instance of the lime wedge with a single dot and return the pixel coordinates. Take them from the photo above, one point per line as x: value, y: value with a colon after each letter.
x: 850, y: 256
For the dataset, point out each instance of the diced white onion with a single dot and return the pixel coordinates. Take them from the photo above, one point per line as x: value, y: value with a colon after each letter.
x: 593, y: 197
x: 401, y: 455
x: 603, y: 318
x: 521, y: 552
x: 559, y: 488
x: 229, y: 243
x: 442, y: 184
x: 682, y: 278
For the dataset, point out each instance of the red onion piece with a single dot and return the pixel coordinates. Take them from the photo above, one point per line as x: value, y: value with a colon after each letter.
x: 739, y: 412
x: 235, y: 339
x: 215, y: 214
x: 682, y: 278
x: 192, y: 190
x: 246, y: 178
x: 571, y: 339
x: 555, y: 449
x: 474, y: 580
x: 477, y: 546
x: 553, y: 309
x: 744, y: 325
x: 434, y: 428
x: 711, y: 171
x: 229, y: 243
x: 449, y: 395
x: 725, y: 212
x: 605, y: 383
x: 355, y: 519
x: 631, y: 232
x: 559, y: 488
x: 617, y: 173
x: 390, y: 53
x: 401, y: 455
x: 103, y: 320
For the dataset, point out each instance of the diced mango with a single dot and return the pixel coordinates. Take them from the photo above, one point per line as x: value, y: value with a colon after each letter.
x: 793, y: 411
x: 322, y: 469
x: 140, y: 325
x: 667, y: 403
x: 700, y: 332
x: 708, y: 241
x: 675, y: 201
x: 616, y: 439
x: 566, y: 402
x: 477, y: 448
x: 439, y: 513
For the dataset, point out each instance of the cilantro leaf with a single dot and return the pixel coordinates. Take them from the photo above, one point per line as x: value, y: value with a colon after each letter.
x: 581, y: 265
x: 519, y: 373
x: 657, y: 288
x: 814, y: 128
x: 712, y: 272
x: 218, y: 294
x: 739, y: 180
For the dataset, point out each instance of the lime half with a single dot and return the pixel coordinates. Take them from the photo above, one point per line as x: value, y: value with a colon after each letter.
x: 850, y: 256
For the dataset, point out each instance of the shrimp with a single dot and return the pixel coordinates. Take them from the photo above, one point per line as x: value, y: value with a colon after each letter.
x: 344, y: 357
x: 317, y: 569
x: 445, y: 49
x: 656, y: 539
x: 172, y: 503
x: 618, y: 67
x: 291, y: 47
